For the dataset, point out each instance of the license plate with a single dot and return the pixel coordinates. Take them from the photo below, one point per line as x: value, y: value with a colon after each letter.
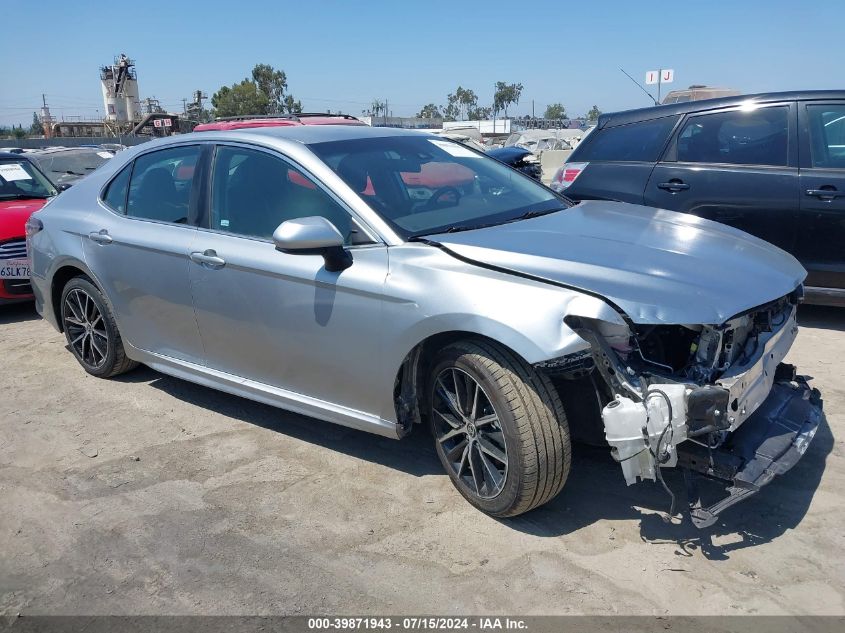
x: 14, y: 268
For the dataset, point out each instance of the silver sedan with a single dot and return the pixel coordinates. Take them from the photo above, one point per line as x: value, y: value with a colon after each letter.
x: 381, y: 279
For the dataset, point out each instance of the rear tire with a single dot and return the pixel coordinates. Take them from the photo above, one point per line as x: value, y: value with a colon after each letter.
x: 91, y: 331
x: 499, y: 427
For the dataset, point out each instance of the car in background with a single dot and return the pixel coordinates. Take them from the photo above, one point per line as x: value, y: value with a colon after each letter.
x: 463, y: 136
x: 277, y: 120
x: 23, y: 190
x: 66, y: 165
x: 519, y: 158
x: 296, y: 266
x: 770, y: 164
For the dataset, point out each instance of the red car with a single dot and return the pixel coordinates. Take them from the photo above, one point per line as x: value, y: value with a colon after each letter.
x: 23, y: 190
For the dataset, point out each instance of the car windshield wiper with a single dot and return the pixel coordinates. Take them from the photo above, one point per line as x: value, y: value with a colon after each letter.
x: 469, y: 227
x: 536, y: 213
x: 472, y: 227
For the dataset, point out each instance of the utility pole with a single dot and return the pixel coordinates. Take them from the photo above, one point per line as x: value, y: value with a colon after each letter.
x: 184, y: 106
x: 46, y: 119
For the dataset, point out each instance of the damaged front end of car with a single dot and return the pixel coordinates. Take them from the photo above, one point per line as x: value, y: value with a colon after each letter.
x: 716, y: 401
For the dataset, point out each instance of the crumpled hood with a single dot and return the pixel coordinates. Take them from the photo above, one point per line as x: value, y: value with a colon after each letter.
x: 658, y: 266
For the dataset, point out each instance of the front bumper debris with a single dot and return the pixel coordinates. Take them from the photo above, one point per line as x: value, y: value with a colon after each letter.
x: 769, y: 443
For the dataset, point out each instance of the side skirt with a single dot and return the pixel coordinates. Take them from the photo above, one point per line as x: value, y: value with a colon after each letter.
x: 267, y: 394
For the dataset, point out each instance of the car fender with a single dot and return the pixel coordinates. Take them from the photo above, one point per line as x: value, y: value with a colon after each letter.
x: 524, y: 315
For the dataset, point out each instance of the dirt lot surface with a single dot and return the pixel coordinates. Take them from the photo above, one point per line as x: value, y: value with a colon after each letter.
x: 150, y: 495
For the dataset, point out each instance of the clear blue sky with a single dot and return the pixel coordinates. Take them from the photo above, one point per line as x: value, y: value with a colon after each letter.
x: 341, y: 55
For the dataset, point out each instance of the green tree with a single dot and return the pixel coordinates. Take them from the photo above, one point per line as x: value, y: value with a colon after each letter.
x: 18, y: 132
x: 378, y: 107
x: 459, y: 104
x: 451, y: 111
x: 292, y: 106
x: 479, y: 113
x: 594, y: 114
x: 241, y: 99
x: 467, y: 99
x: 505, y: 95
x: 429, y: 111
x: 36, y: 129
x: 555, y: 111
x: 272, y: 83
x: 264, y: 93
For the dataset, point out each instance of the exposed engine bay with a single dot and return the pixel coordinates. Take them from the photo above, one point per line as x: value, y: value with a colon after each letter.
x: 660, y: 386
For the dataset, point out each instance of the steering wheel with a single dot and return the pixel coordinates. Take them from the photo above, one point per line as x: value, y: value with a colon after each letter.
x: 434, y: 201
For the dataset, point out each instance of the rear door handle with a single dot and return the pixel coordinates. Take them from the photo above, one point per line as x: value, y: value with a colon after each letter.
x: 208, y: 258
x: 101, y: 237
x: 825, y: 194
x: 674, y: 186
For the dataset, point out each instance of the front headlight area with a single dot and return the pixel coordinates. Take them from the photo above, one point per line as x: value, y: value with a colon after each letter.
x: 662, y: 382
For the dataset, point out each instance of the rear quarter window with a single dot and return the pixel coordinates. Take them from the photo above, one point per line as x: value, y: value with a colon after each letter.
x: 115, y: 194
x: 640, y: 141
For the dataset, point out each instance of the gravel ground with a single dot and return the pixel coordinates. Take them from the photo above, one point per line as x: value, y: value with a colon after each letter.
x: 150, y: 495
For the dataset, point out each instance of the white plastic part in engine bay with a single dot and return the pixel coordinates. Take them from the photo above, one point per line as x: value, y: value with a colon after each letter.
x: 641, y: 434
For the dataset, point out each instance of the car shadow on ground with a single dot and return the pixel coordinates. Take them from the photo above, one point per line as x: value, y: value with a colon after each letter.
x: 18, y: 313
x: 595, y: 490
x: 414, y: 455
x: 823, y: 317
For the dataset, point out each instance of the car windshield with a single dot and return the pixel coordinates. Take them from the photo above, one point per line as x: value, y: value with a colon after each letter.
x: 422, y: 185
x: 19, y: 180
x: 71, y: 165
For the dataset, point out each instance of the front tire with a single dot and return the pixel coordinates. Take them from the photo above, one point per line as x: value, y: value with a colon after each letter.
x: 91, y: 331
x: 499, y: 427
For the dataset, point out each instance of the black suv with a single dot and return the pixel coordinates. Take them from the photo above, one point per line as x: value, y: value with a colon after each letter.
x: 770, y: 164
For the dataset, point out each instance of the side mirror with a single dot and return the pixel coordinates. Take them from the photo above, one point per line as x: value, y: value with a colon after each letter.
x: 310, y: 236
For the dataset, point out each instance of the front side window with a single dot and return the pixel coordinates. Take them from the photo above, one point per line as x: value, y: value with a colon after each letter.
x: 19, y: 180
x: 738, y: 137
x: 827, y: 135
x: 422, y: 185
x: 632, y: 142
x: 253, y: 192
x: 160, y: 188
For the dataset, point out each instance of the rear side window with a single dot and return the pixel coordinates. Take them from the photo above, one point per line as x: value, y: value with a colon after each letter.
x: 738, y: 137
x: 115, y: 196
x: 160, y: 188
x: 827, y: 134
x: 633, y: 142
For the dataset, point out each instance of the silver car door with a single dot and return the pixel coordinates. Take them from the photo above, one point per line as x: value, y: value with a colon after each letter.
x: 277, y: 318
x: 139, y: 252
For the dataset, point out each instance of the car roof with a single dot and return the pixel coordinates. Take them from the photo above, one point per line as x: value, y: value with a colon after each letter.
x: 291, y: 120
x: 58, y: 150
x: 13, y: 156
x: 655, y: 112
x: 306, y: 134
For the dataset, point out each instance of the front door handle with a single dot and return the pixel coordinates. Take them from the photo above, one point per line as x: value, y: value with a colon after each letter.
x: 825, y: 194
x: 208, y: 258
x: 101, y: 237
x: 673, y: 186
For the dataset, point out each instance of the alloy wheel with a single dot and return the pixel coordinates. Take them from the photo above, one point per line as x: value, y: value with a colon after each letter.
x: 86, y: 328
x: 469, y: 433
